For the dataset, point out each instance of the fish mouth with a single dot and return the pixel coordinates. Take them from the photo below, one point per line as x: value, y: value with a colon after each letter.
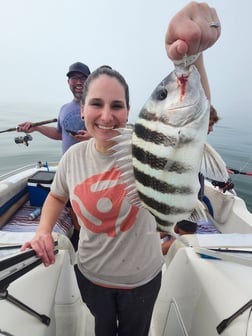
x: 183, y: 115
x: 179, y: 107
x: 190, y: 101
x: 193, y: 107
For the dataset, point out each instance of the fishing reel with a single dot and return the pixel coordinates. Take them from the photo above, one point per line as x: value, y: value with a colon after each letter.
x: 229, y: 185
x: 23, y: 139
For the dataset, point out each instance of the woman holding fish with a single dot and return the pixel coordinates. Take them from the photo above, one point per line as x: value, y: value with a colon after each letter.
x: 119, y: 257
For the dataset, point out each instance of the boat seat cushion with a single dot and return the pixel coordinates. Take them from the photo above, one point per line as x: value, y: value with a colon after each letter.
x: 14, y: 193
x: 20, y: 221
x: 10, y: 192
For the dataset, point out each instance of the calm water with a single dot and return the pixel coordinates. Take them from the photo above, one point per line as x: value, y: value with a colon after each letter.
x: 41, y: 148
x: 233, y: 142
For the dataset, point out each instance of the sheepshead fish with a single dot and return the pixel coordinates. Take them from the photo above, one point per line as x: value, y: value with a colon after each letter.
x: 161, y: 157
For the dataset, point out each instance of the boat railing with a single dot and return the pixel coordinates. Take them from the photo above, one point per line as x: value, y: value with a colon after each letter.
x: 24, y: 168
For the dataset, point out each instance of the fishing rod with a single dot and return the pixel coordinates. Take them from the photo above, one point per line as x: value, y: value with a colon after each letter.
x: 236, y: 171
x: 44, y: 122
x: 241, y: 170
x: 25, y: 139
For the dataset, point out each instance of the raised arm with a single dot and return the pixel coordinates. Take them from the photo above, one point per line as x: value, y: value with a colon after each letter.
x: 192, y: 30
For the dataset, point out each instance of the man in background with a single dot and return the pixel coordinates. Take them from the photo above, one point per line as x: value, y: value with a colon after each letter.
x: 70, y: 126
x: 181, y: 228
x: 213, y: 119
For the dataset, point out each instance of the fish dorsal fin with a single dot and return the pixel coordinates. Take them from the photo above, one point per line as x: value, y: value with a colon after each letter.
x: 213, y: 166
x: 122, y: 151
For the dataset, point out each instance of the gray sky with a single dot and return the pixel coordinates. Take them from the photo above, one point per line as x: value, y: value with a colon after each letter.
x: 40, y: 38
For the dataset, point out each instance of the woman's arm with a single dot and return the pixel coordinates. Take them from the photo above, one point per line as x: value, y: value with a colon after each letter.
x: 43, y: 242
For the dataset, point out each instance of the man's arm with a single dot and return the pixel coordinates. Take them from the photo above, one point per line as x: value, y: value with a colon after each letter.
x: 49, y: 131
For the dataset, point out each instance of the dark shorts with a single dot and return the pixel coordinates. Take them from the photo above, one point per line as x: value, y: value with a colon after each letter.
x: 122, y: 312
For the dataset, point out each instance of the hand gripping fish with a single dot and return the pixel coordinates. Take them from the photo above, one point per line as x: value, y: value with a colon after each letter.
x: 161, y: 157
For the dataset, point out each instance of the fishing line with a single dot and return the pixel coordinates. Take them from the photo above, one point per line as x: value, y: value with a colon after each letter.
x: 246, y: 164
x: 241, y: 170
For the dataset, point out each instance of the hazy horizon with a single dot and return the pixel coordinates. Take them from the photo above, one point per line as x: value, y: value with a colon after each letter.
x: 40, y: 39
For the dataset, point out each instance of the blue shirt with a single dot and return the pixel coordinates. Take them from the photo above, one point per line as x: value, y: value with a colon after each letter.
x: 69, y: 119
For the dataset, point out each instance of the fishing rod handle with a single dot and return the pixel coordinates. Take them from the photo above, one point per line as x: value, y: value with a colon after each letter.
x: 43, y: 122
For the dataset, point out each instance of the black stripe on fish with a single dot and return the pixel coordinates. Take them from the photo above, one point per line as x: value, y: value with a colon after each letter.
x: 156, y: 162
x: 162, y: 223
x: 154, y: 136
x: 161, y: 186
x: 162, y: 208
x: 159, y: 138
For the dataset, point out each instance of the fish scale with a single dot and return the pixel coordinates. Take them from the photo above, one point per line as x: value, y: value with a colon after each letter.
x: 160, y: 158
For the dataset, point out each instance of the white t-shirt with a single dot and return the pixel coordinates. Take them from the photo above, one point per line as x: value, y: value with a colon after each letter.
x: 118, y: 245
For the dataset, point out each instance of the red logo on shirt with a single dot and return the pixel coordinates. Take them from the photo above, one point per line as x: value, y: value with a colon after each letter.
x: 101, y: 204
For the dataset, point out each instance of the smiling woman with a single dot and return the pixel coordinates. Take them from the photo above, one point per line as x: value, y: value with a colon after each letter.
x: 105, y: 105
x: 112, y: 230
x: 113, y: 284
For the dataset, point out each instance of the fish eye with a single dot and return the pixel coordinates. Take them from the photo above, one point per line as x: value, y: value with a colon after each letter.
x: 162, y: 93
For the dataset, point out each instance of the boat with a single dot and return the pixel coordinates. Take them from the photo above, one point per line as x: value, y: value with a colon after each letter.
x: 206, y: 286
x: 36, y: 300
x: 206, y: 283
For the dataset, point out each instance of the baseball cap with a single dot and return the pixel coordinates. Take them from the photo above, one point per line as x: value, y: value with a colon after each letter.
x: 187, y: 225
x: 78, y: 67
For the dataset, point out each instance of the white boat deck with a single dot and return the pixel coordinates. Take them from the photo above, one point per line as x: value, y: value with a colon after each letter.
x: 197, y: 293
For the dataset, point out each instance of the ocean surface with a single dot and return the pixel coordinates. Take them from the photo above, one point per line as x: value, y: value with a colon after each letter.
x: 233, y: 141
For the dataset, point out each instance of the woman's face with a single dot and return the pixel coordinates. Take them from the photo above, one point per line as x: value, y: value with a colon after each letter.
x: 105, y: 110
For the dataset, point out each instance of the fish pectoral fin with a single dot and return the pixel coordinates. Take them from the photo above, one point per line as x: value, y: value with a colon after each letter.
x: 198, y: 213
x: 212, y: 165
